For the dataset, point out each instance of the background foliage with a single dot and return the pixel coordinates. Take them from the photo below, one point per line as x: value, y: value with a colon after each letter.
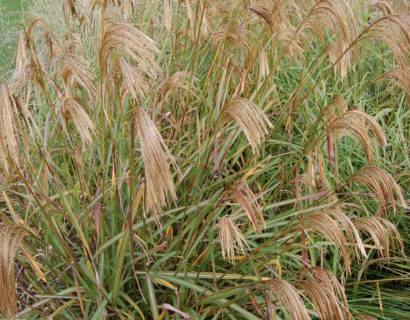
x: 229, y: 167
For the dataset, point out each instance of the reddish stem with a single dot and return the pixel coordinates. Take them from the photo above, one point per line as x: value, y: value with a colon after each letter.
x: 329, y: 146
x: 303, y: 236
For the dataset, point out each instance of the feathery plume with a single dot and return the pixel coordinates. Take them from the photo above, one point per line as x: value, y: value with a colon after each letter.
x: 133, y: 81
x: 126, y: 40
x: 309, y: 178
x: 243, y: 194
x: 350, y: 230
x: 23, y: 109
x: 10, y: 238
x: 329, y: 280
x: 314, y: 178
x: 74, y: 72
x: 394, y: 31
x: 232, y: 239
x: 382, y: 232
x: 324, y: 300
x: 71, y: 109
x: 177, y: 81
x: 263, y: 63
x: 72, y: 43
x: 288, y: 297
x: 381, y: 5
x: 263, y: 9
x: 325, y: 225
x: 8, y: 138
x: 47, y: 37
x: 157, y: 159
x: 345, y: 225
x: 253, y: 122
x: 338, y: 17
x: 326, y: 291
x: 336, y: 106
x: 167, y: 19
x: 353, y: 123
x: 33, y: 68
x: 382, y: 183
x: 402, y: 76
x: 275, y: 14
x: 21, y: 52
x: 233, y: 33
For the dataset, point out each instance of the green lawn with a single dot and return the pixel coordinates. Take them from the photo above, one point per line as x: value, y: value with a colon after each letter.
x: 11, y: 5
x: 10, y: 12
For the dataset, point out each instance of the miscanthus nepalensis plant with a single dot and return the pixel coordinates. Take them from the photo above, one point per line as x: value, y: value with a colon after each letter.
x: 204, y: 159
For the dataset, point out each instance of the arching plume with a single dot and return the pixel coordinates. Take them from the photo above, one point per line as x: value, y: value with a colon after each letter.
x: 329, y: 226
x: 133, y: 82
x: 353, y: 123
x: 402, y: 76
x: 383, y: 234
x: 253, y: 122
x: 71, y: 109
x: 10, y: 238
x: 8, y: 135
x: 338, y: 17
x: 394, y: 31
x: 177, y: 81
x: 243, y: 194
x: 382, y: 183
x: 289, y: 298
x: 157, y: 160
x: 231, y: 239
x: 126, y: 40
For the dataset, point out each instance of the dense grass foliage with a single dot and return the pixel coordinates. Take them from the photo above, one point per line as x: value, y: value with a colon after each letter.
x: 205, y: 159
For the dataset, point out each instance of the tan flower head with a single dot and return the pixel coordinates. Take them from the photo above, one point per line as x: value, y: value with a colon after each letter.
x: 167, y: 18
x: 382, y: 232
x: 338, y: 17
x: 324, y: 298
x: 232, y: 239
x: 74, y: 73
x: 71, y: 109
x: 382, y: 183
x: 8, y: 138
x: 289, y: 298
x: 327, y: 226
x: 402, y: 76
x: 253, y: 122
x: 177, y: 81
x: 245, y: 197
x: 122, y: 39
x: 355, y: 123
x: 10, y: 237
x: 157, y: 160
x: 133, y: 82
x: 394, y: 31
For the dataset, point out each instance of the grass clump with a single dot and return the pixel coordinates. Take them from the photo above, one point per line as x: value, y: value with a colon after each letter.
x: 206, y: 159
